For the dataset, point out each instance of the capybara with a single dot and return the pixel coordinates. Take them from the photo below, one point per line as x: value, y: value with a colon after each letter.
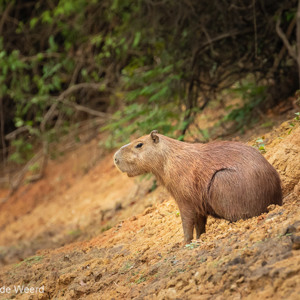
x: 223, y: 179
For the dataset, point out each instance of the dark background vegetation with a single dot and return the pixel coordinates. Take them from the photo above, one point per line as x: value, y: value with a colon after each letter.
x: 131, y: 66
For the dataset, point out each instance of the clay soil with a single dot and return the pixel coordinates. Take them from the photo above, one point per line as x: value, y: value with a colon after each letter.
x: 86, y: 231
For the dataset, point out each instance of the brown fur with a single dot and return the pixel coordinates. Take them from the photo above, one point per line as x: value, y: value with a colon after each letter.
x: 228, y: 180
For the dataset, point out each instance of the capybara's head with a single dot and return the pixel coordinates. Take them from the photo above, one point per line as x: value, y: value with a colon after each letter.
x: 140, y: 156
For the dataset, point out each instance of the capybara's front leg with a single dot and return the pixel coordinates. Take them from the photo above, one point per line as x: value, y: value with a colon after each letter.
x: 187, y: 225
x: 200, y: 223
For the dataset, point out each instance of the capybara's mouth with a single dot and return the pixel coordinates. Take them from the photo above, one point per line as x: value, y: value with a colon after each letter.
x: 129, y: 173
x: 132, y: 173
x: 118, y: 167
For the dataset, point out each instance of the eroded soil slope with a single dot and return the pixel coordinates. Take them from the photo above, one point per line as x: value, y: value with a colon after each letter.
x: 80, y: 196
x: 142, y: 257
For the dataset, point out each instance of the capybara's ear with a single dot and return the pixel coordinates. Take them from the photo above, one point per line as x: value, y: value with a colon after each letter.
x: 154, y: 136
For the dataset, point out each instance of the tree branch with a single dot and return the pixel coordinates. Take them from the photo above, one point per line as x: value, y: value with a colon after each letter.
x: 12, y: 135
x: 2, y: 130
x: 86, y: 109
x: 283, y: 49
x: 79, y: 86
x: 67, y: 92
x: 5, y: 15
x: 285, y: 41
x: 298, y: 39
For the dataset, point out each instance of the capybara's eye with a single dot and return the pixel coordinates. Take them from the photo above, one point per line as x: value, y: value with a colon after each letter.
x: 139, y: 145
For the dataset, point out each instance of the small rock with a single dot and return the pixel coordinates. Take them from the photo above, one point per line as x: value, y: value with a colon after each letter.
x: 180, y: 285
x: 97, y: 276
x: 297, y: 226
x: 118, y: 206
x: 297, y: 189
x: 67, y: 258
x: 248, y: 253
x: 236, y: 261
x: 271, y: 207
x: 257, y: 236
x: 296, y: 242
x: 148, y: 210
x: 241, y: 280
x: 171, y: 293
x: 153, y: 270
x: 72, y: 294
x: 171, y: 283
x: 274, y: 215
x: 263, y: 263
x: 66, y: 278
x: 261, y: 218
x: 290, y: 229
x: 82, y: 283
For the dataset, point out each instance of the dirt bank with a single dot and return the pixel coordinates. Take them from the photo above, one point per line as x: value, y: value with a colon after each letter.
x: 141, y: 257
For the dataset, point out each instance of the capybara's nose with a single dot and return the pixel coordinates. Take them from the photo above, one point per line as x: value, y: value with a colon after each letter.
x: 116, y: 160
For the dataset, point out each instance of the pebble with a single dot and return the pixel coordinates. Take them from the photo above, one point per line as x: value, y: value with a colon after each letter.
x: 296, y: 242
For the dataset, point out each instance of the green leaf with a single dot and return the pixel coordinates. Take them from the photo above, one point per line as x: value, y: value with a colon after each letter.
x: 52, y: 45
x: 137, y: 39
x: 19, y: 122
x: 33, y: 22
x: 163, y: 93
x: 46, y: 17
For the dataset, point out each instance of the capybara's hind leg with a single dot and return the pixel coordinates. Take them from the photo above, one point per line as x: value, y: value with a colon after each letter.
x: 228, y: 195
x: 200, y: 223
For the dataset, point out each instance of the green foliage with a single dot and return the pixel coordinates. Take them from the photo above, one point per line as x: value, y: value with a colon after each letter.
x: 156, y: 69
x: 290, y: 14
x: 260, y: 145
x: 141, y: 279
x: 75, y: 232
x: 192, y: 246
x: 33, y: 78
x: 23, y: 151
x: 252, y: 95
x: 295, y: 120
x: 105, y: 228
x: 34, y: 167
x: 267, y: 124
x: 128, y: 265
x: 140, y: 118
x: 154, y: 186
x: 30, y: 261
